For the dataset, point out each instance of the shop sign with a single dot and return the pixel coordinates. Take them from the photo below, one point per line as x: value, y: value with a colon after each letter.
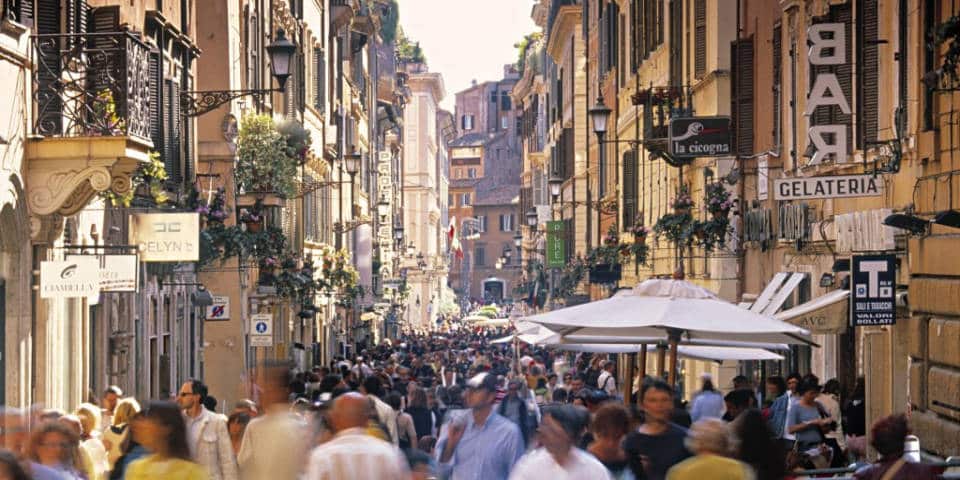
x: 118, y: 273
x: 827, y: 47
x: 556, y: 257
x: 873, y: 279
x: 837, y: 186
x: 219, y: 309
x: 78, y: 277
x: 166, y: 237
x: 700, y: 137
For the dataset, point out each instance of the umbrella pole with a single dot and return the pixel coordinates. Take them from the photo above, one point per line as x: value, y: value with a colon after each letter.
x: 631, y: 374
x: 674, y: 341
x: 643, y: 362
x: 661, y: 359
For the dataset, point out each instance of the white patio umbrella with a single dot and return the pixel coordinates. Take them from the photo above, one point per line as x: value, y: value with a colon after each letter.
x: 693, y: 352
x: 671, y: 310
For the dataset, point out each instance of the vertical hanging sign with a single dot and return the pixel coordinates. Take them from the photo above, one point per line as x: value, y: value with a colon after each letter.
x: 874, y: 282
x: 827, y: 47
x: 556, y: 256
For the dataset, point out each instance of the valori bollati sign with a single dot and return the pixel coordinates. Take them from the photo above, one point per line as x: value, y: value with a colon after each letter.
x: 166, y: 237
x: 840, y: 186
x: 827, y: 47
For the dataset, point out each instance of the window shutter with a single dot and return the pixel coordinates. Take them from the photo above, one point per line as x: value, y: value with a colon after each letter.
x: 777, y: 81
x: 634, y: 35
x: 156, y: 107
x: 24, y: 12
x: 105, y: 20
x: 613, y: 36
x: 171, y: 117
x: 700, y: 37
x: 867, y: 72
x: 629, y: 188
x: 649, y: 27
x: 742, y: 107
x: 77, y: 16
x: 843, y: 13
x: 320, y: 76
x: 676, y: 43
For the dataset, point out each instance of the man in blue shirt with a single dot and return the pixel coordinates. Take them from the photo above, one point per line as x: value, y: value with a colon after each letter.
x: 479, y: 444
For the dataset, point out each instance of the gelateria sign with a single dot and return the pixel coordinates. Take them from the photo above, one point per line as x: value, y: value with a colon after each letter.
x: 827, y: 47
x: 837, y: 186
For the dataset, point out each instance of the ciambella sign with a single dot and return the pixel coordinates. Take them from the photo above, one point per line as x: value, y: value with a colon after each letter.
x: 78, y: 277
x: 839, y: 186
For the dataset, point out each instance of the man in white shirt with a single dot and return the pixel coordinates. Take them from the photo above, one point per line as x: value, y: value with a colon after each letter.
x: 559, y: 458
x: 387, y: 416
x: 207, y: 433
x: 273, y: 444
x: 607, y: 381
x: 352, y: 453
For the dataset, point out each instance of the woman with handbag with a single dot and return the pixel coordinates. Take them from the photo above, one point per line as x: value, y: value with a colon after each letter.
x: 808, y: 425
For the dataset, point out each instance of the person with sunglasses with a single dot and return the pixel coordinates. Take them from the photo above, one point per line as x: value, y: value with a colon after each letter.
x: 207, y: 433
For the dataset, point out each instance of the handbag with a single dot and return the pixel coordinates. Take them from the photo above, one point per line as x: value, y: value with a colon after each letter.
x: 893, y: 470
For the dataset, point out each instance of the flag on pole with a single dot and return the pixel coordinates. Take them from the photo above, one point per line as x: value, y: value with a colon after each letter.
x: 454, y: 239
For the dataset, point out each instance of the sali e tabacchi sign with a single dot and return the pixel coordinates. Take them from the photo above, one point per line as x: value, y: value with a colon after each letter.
x: 838, y: 186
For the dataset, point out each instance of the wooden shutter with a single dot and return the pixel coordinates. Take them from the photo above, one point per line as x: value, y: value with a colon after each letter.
x: 634, y: 35
x: 658, y: 21
x: 171, y: 117
x: 742, y: 107
x: 902, y: 54
x: 105, y: 56
x: 700, y: 37
x: 320, y: 76
x: 676, y: 43
x: 777, y: 45
x: 186, y: 133
x: 24, y: 12
x: 649, y: 26
x: 156, y: 106
x: 49, y: 102
x: 602, y: 36
x: 843, y: 13
x: 867, y: 72
x: 630, y: 199
x: 613, y: 35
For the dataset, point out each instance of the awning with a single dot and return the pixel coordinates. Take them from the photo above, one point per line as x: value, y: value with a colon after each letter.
x: 777, y: 292
x: 826, y: 314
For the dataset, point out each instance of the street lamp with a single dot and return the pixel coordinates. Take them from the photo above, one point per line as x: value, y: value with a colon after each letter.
x: 280, y: 52
x: 599, y: 114
x: 555, y: 182
x: 517, y: 239
x: 532, y: 217
x: 351, y: 163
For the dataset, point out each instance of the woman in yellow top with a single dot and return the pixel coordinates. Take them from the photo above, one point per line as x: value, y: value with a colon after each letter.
x: 162, y: 431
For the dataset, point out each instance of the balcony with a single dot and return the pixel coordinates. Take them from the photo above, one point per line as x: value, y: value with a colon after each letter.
x: 91, y: 117
x: 555, y: 10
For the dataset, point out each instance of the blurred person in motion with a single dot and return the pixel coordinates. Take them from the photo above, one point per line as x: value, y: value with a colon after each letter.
x: 756, y: 447
x: 87, y: 466
x: 607, y: 381
x: 351, y: 453
x: 829, y: 400
x: 710, y: 441
x: 237, y: 424
x: 90, y: 441
x: 15, y: 436
x: 514, y: 408
x: 610, y: 425
x: 479, y: 443
x: 887, y: 436
x: 558, y: 458
x: 114, y: 437
x: 10, y: 467
x: 161, y: 429
x: 274, y: 444
x: 207, y: 434
x: 405, y: 429
x: 708, y: 402
x: 658, y: 444
x: 56, y: 447
x: 108, y: 403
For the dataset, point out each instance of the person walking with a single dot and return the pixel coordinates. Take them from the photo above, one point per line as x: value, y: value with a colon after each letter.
x: 708, y: 402
x: 424, y: 419
x: 709, y: 440
x: 56, y: 447
x: 373, y: 388
x: 115, y: 436
x: 607, y: 381
x: 610, y: 424
x: 558, y: 458
x: 207, y: 434
x: 514, y: 408
x: 161, y: 429
x: 273, y: 444
x: 479, y: 444
x: 108, y: 403
x: 658, y: 444
x: 755, y: 447
x: 352, y: 453
x: 888, y: 436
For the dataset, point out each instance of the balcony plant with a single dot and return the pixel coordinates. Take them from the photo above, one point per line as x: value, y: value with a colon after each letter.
x: 147, y: 181
x: 266, y: 163
x: 639, y: 249
x: 252, y: 216
x: 297, y: 138
x: 718, y: 200
x: 104, y: 120
x: 677, y: 227
x: 949, y: 32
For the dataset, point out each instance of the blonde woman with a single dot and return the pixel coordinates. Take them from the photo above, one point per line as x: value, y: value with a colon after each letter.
x: 711, y: 442
x: 57, y: 446
x: 90, y: 442
x: 115, y: 435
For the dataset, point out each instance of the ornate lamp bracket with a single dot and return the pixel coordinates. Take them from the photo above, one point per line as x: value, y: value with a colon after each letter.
x: 197, y: 103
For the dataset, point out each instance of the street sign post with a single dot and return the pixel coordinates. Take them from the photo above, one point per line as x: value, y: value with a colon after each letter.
x: 261, y: 330
x: 873, y: 280
x: 219, y: 310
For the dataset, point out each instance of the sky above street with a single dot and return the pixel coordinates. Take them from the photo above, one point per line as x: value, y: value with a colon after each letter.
x: 466, y: 39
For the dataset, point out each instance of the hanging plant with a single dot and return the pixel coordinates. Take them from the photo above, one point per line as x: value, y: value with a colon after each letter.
x: 683, y: 202
x: 718, y: 200
x: 148, y: 180
x: 266, y: 163
x: 297, y: 138
x: 949, y: 32
x: 252, y: 216
x: 713, y: 233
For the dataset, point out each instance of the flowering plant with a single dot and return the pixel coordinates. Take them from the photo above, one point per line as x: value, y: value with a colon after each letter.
x: 683, y: 200
x: 269, y: 262
x: 639, y: 231
x: 253, y: 214
x: 718, y: 198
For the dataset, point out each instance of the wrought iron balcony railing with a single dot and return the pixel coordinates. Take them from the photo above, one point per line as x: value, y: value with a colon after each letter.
x: 91, y: 85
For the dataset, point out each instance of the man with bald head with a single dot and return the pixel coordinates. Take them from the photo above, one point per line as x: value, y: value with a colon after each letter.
x: 352, y: 453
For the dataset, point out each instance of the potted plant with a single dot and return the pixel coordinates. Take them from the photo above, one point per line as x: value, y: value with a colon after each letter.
x: 297, y: 138
x: 682, y: 203
x: 718, y: 200
x: 639, y: 232
x: 252, y: 217
x: 265, y: 162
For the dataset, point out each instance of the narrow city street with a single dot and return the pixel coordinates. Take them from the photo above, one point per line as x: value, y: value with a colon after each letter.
x: 479, y: 240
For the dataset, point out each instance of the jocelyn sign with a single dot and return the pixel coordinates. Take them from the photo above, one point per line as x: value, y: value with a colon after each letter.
x: 166, y: 237
x: 827, y: 47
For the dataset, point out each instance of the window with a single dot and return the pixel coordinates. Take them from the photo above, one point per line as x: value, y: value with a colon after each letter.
x: 479, y: 256
x: 319, y: 79
x: 504, y: 122
x: 505, y: 101
x: 466, y: 122
x: 464, y: 199
x: 742, y: 99
x: 777, y: 82
x: 506, y: 222
x: 493, y: 96
x: 450, y: 200
x: 471, y: 173
x: 700, y: 37
x: 481, y: 223
x: 630, y: 182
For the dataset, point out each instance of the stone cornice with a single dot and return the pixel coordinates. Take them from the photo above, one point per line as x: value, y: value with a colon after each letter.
x: 566, y: 23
